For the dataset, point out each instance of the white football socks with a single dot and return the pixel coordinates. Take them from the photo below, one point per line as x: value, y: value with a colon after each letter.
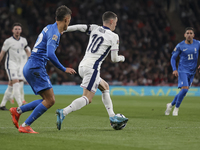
x: 108, y: 103
x: 22, y: 90
x: 76, y: 105
x: 16, y: 93
x: 6, y: 96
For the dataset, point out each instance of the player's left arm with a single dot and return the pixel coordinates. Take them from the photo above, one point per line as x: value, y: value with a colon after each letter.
x: 28, y: 51
x: 114, y: 50
x: 115, y: 57
x: 27, y: 48
x: 52, y: 57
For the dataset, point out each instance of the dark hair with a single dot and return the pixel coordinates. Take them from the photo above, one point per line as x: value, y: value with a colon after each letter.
x: 61, y: 12
x: 17, y: 24
x: 108, y: 15
x: 189, y: 28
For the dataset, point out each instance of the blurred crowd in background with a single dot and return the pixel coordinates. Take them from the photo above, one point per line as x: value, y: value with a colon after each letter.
x: 147, y: 38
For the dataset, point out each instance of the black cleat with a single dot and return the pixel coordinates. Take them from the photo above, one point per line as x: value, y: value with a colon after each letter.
x: 3, y: 108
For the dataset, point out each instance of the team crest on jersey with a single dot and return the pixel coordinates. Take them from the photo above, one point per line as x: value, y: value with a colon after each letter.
x: 55, y: 37
x: 117, y: 41
x: 22, y: 44
x: 175, y: 49
x: 195, y: 50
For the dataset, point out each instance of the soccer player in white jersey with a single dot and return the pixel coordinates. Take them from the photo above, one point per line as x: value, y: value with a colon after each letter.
x: 13, y: 47
x: 102, y: 41
x: 24, y: 59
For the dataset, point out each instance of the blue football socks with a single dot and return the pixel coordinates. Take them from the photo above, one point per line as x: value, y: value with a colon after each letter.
x: 30, y: 106
x: 37, y: 112
x: 181, y: 95
x: 175, y: 99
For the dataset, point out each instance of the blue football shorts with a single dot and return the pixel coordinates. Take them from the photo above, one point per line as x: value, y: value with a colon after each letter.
x: 185, y: 79
x: 36, y: 75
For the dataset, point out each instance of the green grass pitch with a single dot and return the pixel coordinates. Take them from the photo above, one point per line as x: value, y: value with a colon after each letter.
x: 89, y: 128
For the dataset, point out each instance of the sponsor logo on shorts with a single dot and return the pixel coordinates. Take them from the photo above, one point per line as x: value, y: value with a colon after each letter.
x: 96, y: 86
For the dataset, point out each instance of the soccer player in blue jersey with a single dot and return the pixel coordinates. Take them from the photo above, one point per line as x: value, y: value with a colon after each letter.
x: 188, y: 51
x: 35, y: 72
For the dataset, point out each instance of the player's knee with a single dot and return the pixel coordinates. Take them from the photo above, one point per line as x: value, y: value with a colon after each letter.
x: 106, y: 86
x: 184, y: 91
x: 51, y: 101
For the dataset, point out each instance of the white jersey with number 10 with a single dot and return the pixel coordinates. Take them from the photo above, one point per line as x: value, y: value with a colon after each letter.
x: 102, y: 41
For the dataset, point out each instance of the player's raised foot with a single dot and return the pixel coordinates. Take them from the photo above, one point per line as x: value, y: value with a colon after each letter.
x: 118, y: 120
x: 60, y: 118
x: 169, y: 108
x: 175, y: 111
x: 26, y: 129
x: 15, y: 116
x: 3, y: 108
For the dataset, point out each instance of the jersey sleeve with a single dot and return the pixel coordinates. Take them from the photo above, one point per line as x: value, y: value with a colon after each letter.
x: 175, y: 53
x: 52, y: 40
x: 115, y: 43
x: 25, y: 43
x: 6, y: 45
x: 176, y: 50
x: 91, y: 27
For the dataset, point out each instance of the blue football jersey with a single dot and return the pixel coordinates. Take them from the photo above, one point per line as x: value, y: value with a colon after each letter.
x: 188, y: 54
x: 49, y: 36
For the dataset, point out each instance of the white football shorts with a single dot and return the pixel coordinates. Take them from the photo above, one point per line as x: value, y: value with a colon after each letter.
x: 14, y: 74
x: 91, y: 78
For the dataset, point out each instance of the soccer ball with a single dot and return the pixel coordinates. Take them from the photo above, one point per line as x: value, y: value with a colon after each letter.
x: 118, y: 126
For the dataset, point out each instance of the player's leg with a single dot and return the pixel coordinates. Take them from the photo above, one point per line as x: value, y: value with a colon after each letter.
x: 184, y: 82
x: 21, y: 81
x: 17, y: 111
x: 104, y: 87
x: 22, y: 91
x: 89, y: 88
x: 16, y: 91
x: 77, y: 104
x: 88, y: 93
x: 11, y: 99
x: 6, y: 97
x: 80, y: 102
x: 180, y: 97
x: 170, y: 105
x: 48, y: 101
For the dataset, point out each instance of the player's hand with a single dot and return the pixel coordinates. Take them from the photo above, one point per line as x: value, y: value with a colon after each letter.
x: 175, y: 73
x: 199, y: 68
x: 122, y: 58
x: 70, y: 71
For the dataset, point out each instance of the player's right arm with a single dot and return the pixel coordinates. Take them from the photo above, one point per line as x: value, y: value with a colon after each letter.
x: 2, y: 55
x: 175, y: 53
x: 4, y: 49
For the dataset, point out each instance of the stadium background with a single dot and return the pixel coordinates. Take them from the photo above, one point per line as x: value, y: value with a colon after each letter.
x: 148, y: 30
